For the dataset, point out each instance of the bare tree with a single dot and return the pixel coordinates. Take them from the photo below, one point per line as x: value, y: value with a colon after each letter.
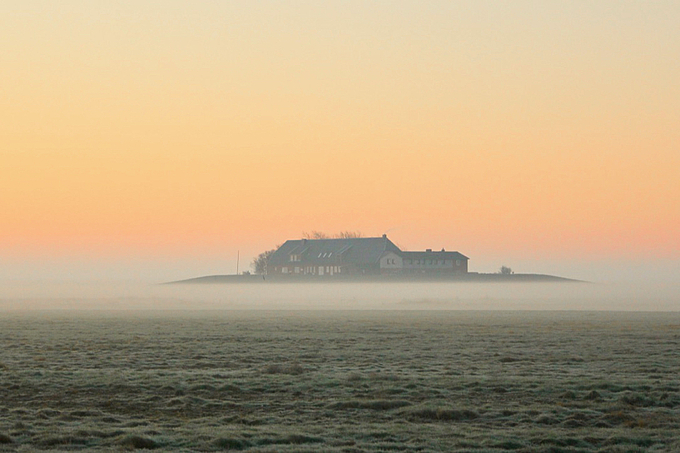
x: 315, y: 235
x: 341, y: 235
x: 261, y: 262
x: 348, y: 234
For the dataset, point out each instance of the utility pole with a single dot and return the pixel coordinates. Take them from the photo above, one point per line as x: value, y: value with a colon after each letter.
x: 238, y: 258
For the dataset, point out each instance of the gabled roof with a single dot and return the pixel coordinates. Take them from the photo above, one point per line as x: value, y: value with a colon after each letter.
x: 434, y: 256
x: 356, y: 251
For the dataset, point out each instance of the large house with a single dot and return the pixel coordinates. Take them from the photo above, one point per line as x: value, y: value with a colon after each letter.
x: 352, y: 256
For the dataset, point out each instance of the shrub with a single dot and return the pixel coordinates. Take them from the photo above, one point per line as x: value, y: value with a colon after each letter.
x: 593, y: 395
x: 139, y: 442
x: 440, y: 414
x: 227, y: 443
x: 354, y: 377
x: 509, y: 359
x: 230, y: 388
x: 636, y: 399
x: 509, y: 445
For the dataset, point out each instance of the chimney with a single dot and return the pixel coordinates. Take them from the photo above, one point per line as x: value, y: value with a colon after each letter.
x: 304, y: 241
x: 428, y: 250
x: 384, y: 236
x: 443, y: 249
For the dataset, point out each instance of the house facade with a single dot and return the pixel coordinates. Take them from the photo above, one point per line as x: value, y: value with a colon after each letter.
x: 357, y: 256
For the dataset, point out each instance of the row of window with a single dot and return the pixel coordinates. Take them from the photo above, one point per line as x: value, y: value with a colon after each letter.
x: 389, y: 260
x: 311, y: 270
x: 430, y: 262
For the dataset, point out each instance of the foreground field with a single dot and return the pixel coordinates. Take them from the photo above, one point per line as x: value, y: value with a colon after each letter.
x: 341, y: 381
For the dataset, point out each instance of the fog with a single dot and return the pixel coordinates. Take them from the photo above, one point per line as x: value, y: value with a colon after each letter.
x: 154, y: 270
x: 127, y: 296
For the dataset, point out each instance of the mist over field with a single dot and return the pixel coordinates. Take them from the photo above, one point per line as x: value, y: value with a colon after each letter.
x: 340, y: 367
x: 342, y: 296
x: 338, y: 381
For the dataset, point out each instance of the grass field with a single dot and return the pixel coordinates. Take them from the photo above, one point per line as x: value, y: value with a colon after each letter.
x: 340, y: 381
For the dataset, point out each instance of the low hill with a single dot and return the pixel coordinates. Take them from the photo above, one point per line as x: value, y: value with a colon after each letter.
x: 387, y: 278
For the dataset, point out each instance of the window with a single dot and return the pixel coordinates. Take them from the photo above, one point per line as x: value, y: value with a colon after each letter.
x: 284, y: 270
x: 457, y: 262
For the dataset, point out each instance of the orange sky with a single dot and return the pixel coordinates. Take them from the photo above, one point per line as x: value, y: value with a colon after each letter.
x: 525, y: 130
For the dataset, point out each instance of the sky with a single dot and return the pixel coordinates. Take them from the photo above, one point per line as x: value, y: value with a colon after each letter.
x: 158, y: 140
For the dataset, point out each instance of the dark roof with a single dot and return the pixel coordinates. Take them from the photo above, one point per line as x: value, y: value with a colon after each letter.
x: 434, y: 255
x: 357, y: 251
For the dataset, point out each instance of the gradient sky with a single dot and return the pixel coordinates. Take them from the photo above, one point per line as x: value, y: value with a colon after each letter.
x: 155, y: 139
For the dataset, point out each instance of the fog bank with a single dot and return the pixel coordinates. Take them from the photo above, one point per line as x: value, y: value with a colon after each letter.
x: 341, y: 296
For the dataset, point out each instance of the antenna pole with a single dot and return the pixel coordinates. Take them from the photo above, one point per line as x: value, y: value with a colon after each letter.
x: 238, y: 258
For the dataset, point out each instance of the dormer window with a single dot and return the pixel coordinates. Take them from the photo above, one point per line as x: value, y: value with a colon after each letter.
x: 295, y: 257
